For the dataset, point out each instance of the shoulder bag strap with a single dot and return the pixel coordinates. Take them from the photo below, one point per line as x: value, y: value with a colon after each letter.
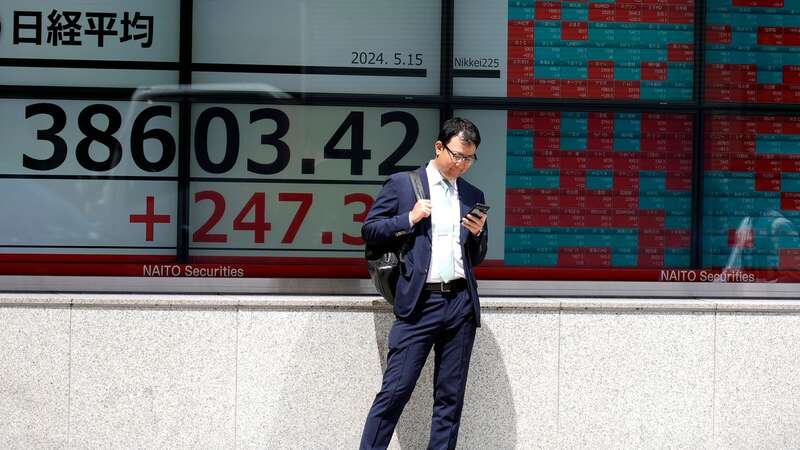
x: 416, y: 183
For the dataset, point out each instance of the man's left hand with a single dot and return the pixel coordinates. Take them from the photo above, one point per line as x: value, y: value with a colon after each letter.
x: 474, y: 224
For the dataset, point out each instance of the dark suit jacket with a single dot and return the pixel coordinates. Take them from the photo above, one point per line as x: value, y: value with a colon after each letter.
x: 388, y: 219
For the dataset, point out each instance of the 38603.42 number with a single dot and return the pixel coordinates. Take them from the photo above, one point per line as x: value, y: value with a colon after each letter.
x: 334, y: 148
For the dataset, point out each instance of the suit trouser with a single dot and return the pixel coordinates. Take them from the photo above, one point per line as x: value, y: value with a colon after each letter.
x: 444, y: 321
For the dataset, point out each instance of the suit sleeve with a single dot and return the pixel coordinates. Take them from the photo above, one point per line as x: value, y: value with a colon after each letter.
x: 384, y: 221
x: 477, y: 246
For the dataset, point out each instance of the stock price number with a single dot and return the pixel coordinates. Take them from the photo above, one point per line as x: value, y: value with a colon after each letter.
x: 335, y: 147
x: 105, y: 137
x: 252, y: 217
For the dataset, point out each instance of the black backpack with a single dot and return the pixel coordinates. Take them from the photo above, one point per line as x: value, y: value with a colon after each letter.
x: 383, y: 261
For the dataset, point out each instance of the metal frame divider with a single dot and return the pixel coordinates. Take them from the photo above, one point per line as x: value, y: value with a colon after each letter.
x: 184, y: 132
x: 446, y: 45
x: 696, y: 243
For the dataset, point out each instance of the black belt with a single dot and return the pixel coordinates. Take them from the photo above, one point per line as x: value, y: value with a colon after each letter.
x: 455, y: 285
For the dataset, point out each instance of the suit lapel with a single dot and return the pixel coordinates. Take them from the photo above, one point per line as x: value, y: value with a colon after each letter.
x: 464, y: 208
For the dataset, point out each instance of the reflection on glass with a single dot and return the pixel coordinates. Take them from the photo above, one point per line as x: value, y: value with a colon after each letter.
x: 752, y: 193
x: 769, y: 242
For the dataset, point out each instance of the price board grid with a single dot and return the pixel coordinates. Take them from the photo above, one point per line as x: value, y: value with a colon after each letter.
x: 610, y: 50
x: 752, y: 51
x: 598, y: 190
x: 751, y: 192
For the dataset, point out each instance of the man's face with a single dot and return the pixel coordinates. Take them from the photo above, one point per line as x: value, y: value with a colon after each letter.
x: 448, y: 155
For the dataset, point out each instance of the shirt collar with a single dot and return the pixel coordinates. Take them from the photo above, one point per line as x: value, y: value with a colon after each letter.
x: 434, y: 176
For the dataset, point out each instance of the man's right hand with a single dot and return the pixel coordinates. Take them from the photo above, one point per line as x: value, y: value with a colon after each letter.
x: 422, y: 209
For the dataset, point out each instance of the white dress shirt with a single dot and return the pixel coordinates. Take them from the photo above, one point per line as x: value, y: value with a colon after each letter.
x: 446, y: 224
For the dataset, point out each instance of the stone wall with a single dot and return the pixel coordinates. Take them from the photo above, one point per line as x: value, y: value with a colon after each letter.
x: 216, y: 371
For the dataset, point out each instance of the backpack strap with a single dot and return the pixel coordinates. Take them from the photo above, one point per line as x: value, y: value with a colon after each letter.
x: 416, y: 183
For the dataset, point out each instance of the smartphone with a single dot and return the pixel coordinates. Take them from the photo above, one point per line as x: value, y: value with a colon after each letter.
x: 478, y: 207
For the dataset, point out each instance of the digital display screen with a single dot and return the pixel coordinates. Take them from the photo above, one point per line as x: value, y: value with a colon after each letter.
x: 90, y: 43
x: 97, y: 182
x: 275, y: 182
x: 263, y: 185
x: 352, y: 46
x: 607, y: 50
x: 751, y: 192
x: 601, y: 50
x: 80, y: 177
x: 752, y: 51
x: 588, y: 189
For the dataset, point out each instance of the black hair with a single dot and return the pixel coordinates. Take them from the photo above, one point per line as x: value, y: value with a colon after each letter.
x: 455, y: 126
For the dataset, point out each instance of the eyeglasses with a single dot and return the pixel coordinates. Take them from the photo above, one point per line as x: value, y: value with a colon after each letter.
x: 459, y: 158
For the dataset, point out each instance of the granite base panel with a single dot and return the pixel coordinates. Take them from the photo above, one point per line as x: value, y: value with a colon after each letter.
x: 545, y: 373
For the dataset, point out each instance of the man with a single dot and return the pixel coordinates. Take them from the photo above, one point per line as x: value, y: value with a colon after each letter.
x: 436, y: 304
